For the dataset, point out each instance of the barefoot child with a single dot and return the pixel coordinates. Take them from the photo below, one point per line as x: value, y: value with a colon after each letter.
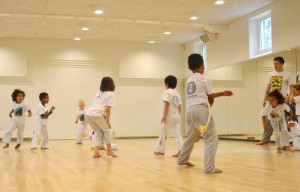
x: 171, y: 117
x: 42, y: 113
x: 82, y: 122
x: 199, y: 100
x: 295, y: 134
x: 17, y: 119
x: 275, y: 110
x: 98, y: 116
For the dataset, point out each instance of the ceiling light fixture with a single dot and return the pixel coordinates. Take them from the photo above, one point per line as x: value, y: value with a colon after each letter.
x: 98, y: 12
x: 85, y: 29
x: 77, y: 38
x: 219, y: 2
x: 151, y: 42
x: 193, y: 18
x: 167, y: 33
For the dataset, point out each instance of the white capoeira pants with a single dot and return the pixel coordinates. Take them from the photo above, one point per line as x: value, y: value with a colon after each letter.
x: 198, y: 115
x: 172, y: 124
x: 280, y: 130
x: 20, y: 131
x: 81, y: 132
x: 102, y: 132
x: 41, y: 129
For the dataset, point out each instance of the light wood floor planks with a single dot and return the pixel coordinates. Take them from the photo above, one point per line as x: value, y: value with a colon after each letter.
x: 67, y: 167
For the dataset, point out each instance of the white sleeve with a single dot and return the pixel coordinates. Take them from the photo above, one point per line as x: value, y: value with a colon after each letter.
x: 111, y: 101
x: 39, y: 111
x: 265, y: 110
x: 209, y: 87
x: 26, y: 107
x: 167, y: 96
x: 179, y: 100
x: 286, y: 107
x: 270, y: 79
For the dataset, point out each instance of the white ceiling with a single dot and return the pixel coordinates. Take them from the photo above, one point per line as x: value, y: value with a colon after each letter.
x: 123, y: 20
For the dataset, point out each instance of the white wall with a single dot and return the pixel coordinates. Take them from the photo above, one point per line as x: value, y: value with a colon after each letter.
x: 70, y: 70
x: 232, y: 46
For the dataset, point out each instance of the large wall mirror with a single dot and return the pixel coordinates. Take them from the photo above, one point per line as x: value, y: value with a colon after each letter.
x: 238, y: 117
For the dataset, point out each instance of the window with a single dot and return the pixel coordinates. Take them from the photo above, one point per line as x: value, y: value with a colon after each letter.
x: 200, y: 48
x: 265, y: 34
x: 260, y: 35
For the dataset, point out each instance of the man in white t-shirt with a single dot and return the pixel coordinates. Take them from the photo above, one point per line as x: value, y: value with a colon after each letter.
x: 278, y: 80
x: 199, y: 120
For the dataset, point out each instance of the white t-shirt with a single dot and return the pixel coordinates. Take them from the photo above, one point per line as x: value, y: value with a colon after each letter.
x: 297, y: 101
x: 19, y: 111
x: 276, y: 113
x: 280, y: 81
x: 198, y: 88
x: 81, y: 116
x: 41, y: 109
x: 100, y: 102
x: 172, y: 97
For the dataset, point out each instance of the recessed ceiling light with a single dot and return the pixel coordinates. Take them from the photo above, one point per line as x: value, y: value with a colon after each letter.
x: 77, y: 38
x: 193, y: 18
x: 219, y: 2
x: 98, y: 12
x: 85, y: 29
x: 167, y: 33
x: 151, y: 42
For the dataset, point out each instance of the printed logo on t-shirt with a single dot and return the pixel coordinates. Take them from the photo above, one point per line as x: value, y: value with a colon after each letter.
x: 191, y: 88
x: 81, y: 117
x: 175, y: 101
x: 276, y: 83
x: 18, y: 111
x: 273, y: 114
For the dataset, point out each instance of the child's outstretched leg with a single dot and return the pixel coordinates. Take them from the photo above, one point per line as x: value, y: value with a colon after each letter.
x: 159, y: 147
x: 96, y: 152
x: 7, y: 136
x: 210, y: 138
x: 275, y: 126
x: 20, y: 138
x: 36, y: 136
x: 178, y: 139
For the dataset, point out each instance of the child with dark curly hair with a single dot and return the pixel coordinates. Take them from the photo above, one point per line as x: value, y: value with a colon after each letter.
x: 275, y: 110
x: 17, y: 115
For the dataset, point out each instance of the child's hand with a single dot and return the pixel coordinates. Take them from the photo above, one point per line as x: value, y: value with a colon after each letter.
x: 227, y: 93
x: 290, y: 125
x: 10, y: 115
x: 29, y: 114
x: 163, y: 120
x: 52, y: 108
x: 109, y: 125
x: 266, y: 129
x: 76, y: 121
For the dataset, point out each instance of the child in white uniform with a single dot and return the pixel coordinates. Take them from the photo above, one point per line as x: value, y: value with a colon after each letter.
x: 295, y: 134
x: 171, y: 117
x: 42, y: 113
x: 296, y: 99
x: 98, y: 116
x: 199, y: 99
x: 17, y: 119
x: 275, y: 110
x: 82, y: 122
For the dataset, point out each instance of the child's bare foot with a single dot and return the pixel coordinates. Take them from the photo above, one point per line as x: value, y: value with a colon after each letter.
x: 6, y: 146
x: 176, y: 155
x: 44, y: 148
x: 101, y: 148
x: 218, y: 171
x: 79, y: 143
x: 189, y: 164
x: 261, y: 143
x: 17, y: 146
x: 33, y: 148
x: 111, y: 154
x: 288, y: 148
x: 159, y: 153
x: 97, y: 156
x: 278, y: 150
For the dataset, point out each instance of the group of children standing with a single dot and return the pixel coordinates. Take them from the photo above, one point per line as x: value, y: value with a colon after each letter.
x: 18, y: 115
